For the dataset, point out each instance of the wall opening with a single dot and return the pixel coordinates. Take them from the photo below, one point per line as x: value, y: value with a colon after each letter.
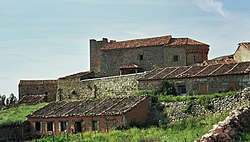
x: 63, y: 126
x: 50, y: 126
x: 176, y: 58
x: 95, y: 125
x: 182, y: 90
x: 78, y: 126
x: 38, y: 126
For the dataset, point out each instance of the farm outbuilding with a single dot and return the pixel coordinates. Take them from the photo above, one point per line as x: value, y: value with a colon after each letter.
x: 59, y: 118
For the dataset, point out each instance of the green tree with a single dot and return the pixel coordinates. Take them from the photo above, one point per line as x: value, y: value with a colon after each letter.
x: 167, y: 89
x: 12, y: 99
x: 2, y: 100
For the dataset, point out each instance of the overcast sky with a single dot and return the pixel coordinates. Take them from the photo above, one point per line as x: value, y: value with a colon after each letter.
x: 47, y: 39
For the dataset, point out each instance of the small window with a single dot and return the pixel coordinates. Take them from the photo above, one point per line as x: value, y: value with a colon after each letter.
x: 49, y: 126
x: 95, y: 125
x: 63, y: 126
x: 194, y: 59
x: 78, y: 126
x: 38, y: 126
x: 182, y: 90
x: 176, y: 58
x: 141, y: 57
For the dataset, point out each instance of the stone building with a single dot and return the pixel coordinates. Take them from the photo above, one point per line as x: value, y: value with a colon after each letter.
x: 242, y: 54
x: 90, y: 115
x: 84, y: 86
x: 189, y: 80
x: 108, y: 58
x: 48, y: 88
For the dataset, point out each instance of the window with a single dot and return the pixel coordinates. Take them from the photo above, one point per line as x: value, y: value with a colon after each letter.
x: 49, y: 126
x: 182, y: 90
x: 78, y: 126
x: 63, y: 126
x: 176, y: 58
x: 194, y: 59
x: 38, y: 126
x: 141, y: 57
x: 95, y: 125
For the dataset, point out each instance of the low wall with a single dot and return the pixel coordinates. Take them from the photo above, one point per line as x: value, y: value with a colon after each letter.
x: 15, y: 132
x: 99, y: 87
x: 174, y: 111
x: 229, y: 129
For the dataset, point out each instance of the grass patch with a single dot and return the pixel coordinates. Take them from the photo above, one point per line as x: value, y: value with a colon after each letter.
x: 172, y: 98
x: 187, y: 130
x: 18, y: 114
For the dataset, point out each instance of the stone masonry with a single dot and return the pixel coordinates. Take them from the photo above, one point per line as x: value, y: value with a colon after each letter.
x: 114, y: 86
x: 106, y: 57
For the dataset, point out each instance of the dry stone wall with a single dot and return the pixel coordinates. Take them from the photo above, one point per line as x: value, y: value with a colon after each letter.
x: 182, y: 110
x: 98, y: 87
x: 229, y: 129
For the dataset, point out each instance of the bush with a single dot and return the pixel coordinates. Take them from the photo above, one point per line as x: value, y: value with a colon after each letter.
x: 167, y: 89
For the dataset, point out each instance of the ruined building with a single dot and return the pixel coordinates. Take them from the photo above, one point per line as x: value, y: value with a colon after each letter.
x: 108, y: 58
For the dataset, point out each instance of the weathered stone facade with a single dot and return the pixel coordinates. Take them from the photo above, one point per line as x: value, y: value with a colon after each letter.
x: 106, y: 58
x: 200, y: 79
x: 114, y: 86
x: 205, y: 85
x: 242, y: 54
x: 38, y: 87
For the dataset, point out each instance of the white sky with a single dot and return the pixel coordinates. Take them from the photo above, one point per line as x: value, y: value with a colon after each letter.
x: 47, y: 39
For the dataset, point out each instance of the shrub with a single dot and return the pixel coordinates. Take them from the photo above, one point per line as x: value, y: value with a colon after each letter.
x: 167, y: 89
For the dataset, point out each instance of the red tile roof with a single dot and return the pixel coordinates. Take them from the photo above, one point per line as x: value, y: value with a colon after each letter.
x: 138, y: 43
x: 130, y: 67
x: 184, y: 41
x: 32, y: 99
x: 108, y: 106
x: 163, y: 40
x: 81, y: 75
x: 245, y: 44
x: 197, y: 71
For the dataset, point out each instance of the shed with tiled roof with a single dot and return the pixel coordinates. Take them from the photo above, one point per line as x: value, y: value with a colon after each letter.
x: 90, y: 115
x: 200, y: 79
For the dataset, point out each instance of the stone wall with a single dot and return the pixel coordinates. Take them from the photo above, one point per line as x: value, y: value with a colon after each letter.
x: 112, y: 60
x: 242, y: 54
x: 38, y: 87
x: 99, y: 87
x: 229, y: 129
x: 184, y: 109
x: 19, y: 131
x: 204, y: 85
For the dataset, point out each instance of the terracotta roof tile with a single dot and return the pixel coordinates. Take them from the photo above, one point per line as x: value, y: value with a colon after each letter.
x: 108, y: 106
x: 32, y: 99
x: 131, y: 67
x: 198, y: 71
x: 138, y: 43
x: 86, y: 74
x: 184, y: 41
x: 163, y: 40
